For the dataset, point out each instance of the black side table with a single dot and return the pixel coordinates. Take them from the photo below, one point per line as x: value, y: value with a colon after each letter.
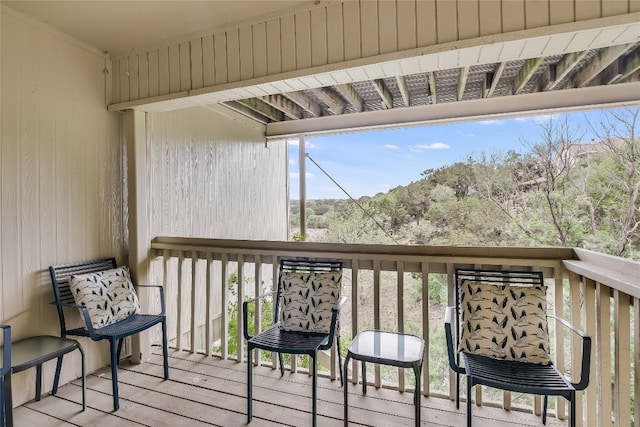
x: 33, y: 352
x: 386, y: 348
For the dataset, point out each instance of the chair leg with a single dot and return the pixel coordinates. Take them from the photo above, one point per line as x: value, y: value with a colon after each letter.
x: 8, y: 399
x: 469, y: 389
x: 572, y: 409
x: 114, y: 373
x: 249, y: 385
x: 544, y: 409
x: 56, y: 378
x: 119, y: 350
x: 165, y: 349
x: 457, y: 391
x: 38, y: 382
x: 281, y: 360
x: 314, y: 392
x: 339, y: 361
x: 84, y: 378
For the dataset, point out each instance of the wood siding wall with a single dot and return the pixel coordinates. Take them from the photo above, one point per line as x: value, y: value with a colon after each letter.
x: 332, y: 33
x: 213, y: 176
x: 61, y: 176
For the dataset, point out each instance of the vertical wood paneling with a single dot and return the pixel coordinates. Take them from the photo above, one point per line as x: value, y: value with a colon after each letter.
x: 318, y: 36
x: 536, y: 13
x: 513, y: 18
x: 335, y: 33
x: 115, y: 78
x: 221, y: 64
x: 143, y: 75
x: 259, y: 49
x: 446, y: 14
x: 246, y: 53
x: 352, y: 31
x: 622, y: 361
x: 561, y: 12
x: 587, y: 10
x: 197, y: 63
x: 369, y: 28
x: 303, y: 40
x: 184, y: 72
x: 163, y: 71
x: 208, y: 62
x: 488, y: 11
x: 407, y: 31
x: 134, y: 77
x: 174, y: 68
x: 427, y: 22
x: 154, y: 70
x: 233, y: 55
x: 288, y: 42
x: 614, y: 7
x: 387, y: 26
x: 274, y: 47
x: 124, y: 79
x: 468, y: 21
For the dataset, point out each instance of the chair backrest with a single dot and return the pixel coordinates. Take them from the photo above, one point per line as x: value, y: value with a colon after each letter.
x: 61, y: 276
x: 303, y: 266
x: 502, y: 314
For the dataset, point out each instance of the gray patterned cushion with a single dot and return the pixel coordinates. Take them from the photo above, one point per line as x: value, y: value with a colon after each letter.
x: 307, y: 300
x: 504, y: 322
x: 108, y: 295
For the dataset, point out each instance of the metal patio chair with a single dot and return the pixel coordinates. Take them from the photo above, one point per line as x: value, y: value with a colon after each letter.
x: 501, y: 330
x: 61, y: 277
x: 305, y: 318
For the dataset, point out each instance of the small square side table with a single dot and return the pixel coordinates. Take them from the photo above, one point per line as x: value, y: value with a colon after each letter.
x: 386, y: 348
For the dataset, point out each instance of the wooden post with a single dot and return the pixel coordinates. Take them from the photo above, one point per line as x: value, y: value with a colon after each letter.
x: 303, y: 184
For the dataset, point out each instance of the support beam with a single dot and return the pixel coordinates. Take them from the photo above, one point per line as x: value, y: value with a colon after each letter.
x: 562, y: 69
x: 432, y: 87
x: 462, y: 82
x: 495, y: 79
x: 332, y: 100
x: 384, y: 93
x: 348, y: 92
x: 527, y: 71
x: 404, y: 90
x: 620, y: 71
x: 262, y: 108
x: 597, y: 64
x: 302, y: 169
x: 288, y: 108
x: 239, y: 108
x: 305, y: 102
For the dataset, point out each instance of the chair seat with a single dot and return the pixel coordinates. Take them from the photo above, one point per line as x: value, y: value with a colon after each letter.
x: 530, y: 378
x: 275, y: 339
x: 126, y: 327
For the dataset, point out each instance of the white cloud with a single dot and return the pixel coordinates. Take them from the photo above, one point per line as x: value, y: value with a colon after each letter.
x: 296, y: 143
x: 492, y: 122
x: 434, y: 146
x: 292, y: 162
x: 392, y: 146
x: 296, y: 175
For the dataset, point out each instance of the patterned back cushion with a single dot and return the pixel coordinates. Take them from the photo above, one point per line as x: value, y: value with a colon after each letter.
x: 108, y: 295
x: 307, y: 300
x: 504, y: 322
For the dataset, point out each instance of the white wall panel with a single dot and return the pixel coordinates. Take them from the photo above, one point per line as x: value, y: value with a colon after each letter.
x: 214, y: 176
x: 61, y: 174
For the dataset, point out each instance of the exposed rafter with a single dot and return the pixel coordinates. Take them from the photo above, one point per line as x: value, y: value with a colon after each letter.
x: 305, y: 102
x: 555, y: 74
x: 279, y: 102
x: 598, y: 63
x: 404, y: 90
x: 332, y: 100
x: 349, y: 93
x: 527, y: 71
x: 385, y: 94
x: 462, y: 82
x: 262, y: 108
x: 495, y: 78
x: 619, y: 71
x: 239, y: 108
x: 432, y: 87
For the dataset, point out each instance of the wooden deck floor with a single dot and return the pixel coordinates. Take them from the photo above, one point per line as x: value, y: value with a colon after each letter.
x: 207, y: 391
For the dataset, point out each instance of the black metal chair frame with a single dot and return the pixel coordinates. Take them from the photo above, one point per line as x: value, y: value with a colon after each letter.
x: 60, y: 278
x: 285, y: 342
x: 523, y: 377
x: 5, y: 402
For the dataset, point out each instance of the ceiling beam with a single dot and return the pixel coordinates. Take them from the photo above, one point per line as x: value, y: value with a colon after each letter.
x: 332, y: 100
x: 462, y: 82
x: 615, y: 96
x: 619, y: 71
x: 432, y: 87
x: 348, y: 92
x: 288, y: 107
x: 630, y: 65
x: 384, y: 93
x: 262, y: 108
x: 305, y: 102
x: 404, y: 90
x: 239, y: 108
x: 495, y: 78
x: 596, y: 65
x: 554, y: 75
x: 527, y: 71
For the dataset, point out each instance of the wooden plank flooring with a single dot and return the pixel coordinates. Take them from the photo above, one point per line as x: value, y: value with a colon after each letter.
x: 207, y: 391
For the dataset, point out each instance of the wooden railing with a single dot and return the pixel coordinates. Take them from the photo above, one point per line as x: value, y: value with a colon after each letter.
x: 405, y: 288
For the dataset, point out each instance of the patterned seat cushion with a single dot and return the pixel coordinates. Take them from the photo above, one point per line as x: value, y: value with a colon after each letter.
x: 307, y: 300
x: 504, y: 322
x: 108, y: 295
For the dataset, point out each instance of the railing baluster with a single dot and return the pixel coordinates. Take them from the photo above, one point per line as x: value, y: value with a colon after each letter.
x: 354, y: 316
x: 575, y: 308
x: 274, y: 287
x: 376, y: 312
x: 636, y: 359
x: 180, y: 302
x: 400, y: 310
x: 559, y: 334
x: 194, y: 323
x: 424, y: 268
x: 603, y: 333
x: 209, y: 299
x: 622, y: 362
x: 240, y: 292
x: 224, y: 303
x: 590, y: 329
x: 257, y: 320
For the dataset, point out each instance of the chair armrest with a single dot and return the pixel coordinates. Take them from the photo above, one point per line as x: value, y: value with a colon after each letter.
x: 245, y: 311
x: 586, y: 352
x: 6, y: 351
x: 85, y: 316
x: 448, y: 316
x: 161, y: 289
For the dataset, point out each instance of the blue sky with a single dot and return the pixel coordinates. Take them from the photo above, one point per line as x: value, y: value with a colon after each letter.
x: 368, y: 163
